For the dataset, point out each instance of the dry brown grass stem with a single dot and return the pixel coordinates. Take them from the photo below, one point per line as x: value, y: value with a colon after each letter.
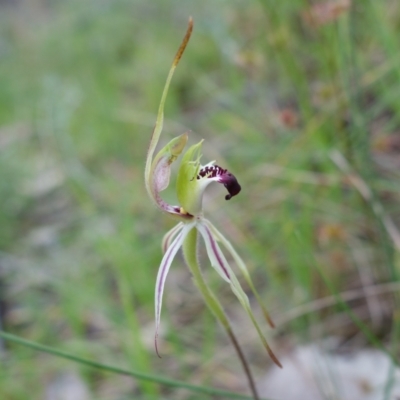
x: 329, y: 301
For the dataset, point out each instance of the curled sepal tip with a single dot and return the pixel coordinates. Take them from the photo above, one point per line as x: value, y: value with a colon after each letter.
x: 184, y: 43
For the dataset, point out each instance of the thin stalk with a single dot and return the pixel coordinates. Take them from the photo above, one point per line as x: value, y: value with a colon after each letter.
x: 190, y: 254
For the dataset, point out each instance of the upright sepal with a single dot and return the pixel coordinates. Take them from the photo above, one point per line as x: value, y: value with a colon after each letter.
x: 157, y: 170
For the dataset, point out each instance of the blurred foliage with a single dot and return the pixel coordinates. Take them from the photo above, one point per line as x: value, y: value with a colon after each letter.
x: 273, y: 87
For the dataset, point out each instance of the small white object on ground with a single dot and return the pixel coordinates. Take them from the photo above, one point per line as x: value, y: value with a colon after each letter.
x: 67, y: 386
x: 312, y: 373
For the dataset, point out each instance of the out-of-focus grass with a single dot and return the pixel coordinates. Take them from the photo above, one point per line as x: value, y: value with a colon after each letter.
x: 273, y: 93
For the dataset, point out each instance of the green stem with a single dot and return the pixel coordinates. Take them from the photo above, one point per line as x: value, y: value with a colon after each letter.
x: 190, y: 254
x: 105, y: 367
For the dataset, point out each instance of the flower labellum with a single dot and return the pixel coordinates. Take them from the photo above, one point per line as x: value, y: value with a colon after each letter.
x: 223, y: 176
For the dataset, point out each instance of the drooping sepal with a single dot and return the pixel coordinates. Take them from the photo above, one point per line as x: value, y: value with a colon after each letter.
x: 163, y: 272
x: 242, y: 266
x: 222, y: 266
x: 169, y: 237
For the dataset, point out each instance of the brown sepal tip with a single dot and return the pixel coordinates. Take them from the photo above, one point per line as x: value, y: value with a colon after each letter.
x: 184, y: 43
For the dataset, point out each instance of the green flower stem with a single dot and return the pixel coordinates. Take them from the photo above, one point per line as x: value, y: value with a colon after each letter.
x: 105, y: 367
x: 190, y: 254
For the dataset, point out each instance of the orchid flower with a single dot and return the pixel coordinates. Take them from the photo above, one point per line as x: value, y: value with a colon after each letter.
x: 193, y: 178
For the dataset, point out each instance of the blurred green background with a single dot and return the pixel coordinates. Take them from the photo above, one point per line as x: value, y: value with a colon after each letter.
x: 299, y: 99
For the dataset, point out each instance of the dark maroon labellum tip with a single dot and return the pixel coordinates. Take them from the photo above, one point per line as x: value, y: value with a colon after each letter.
x: 224, y: 177
x: 231, y: 184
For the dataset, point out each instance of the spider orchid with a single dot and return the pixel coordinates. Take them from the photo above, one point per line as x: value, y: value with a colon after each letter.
x: 192, y: 180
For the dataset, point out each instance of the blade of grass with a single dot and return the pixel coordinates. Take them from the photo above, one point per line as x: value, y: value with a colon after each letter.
x: 105, y: 367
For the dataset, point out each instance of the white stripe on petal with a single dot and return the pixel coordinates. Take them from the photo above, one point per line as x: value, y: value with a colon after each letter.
x: 163, y: 272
